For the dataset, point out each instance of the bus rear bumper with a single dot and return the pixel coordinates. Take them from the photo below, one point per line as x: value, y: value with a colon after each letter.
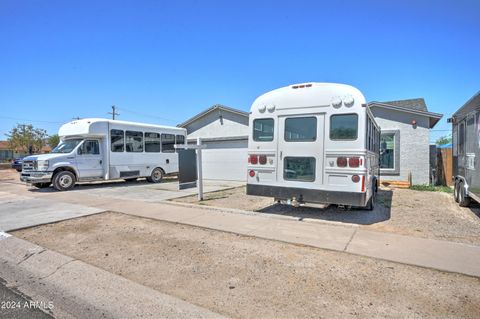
x: 308, y: 195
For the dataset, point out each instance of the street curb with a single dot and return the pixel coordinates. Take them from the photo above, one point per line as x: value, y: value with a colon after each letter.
x: 265, y: 215
x: 77, y: 289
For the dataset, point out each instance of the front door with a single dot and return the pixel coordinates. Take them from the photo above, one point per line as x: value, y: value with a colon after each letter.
x: 90, y: 160
x: 300, y: 150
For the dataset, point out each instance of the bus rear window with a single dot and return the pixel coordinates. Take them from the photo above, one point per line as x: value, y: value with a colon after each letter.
x: 263, y: 130
x: 344, y: 127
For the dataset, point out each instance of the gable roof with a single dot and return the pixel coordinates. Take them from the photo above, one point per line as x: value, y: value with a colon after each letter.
x: 216, y: 107
x: 413, y: 106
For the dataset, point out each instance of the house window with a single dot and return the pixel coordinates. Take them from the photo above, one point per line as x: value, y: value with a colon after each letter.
x: 301, y: 129
x: 390, y: 152
x: 263, y: 130
x: 387, y: 158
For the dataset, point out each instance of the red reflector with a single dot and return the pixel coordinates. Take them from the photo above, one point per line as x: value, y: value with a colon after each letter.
x: 355, y: 178
x: 251, y: 173
x: 341, y: 161
x: 254, y: 159
x: 363, y: 183
x: 361, y: 162
x: 354, y: 161
x: 262, y: 159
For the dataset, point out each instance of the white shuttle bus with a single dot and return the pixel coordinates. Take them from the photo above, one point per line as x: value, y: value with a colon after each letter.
x: 314, y: 142
x: 101, y: 149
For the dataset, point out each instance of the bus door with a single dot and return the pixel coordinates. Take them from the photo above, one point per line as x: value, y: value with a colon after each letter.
x: 301, y: 149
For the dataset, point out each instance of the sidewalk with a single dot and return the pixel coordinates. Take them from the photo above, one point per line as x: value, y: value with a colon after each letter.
x: 436, y: 254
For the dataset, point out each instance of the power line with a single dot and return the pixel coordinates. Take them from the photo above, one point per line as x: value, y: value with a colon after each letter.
x: 35, y: 121
x: 148, y: 115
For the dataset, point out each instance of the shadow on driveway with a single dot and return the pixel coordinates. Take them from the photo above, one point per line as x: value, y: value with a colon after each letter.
x: 381, y: 212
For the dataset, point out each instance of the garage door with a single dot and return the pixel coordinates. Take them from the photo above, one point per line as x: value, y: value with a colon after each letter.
x: 225, y: 160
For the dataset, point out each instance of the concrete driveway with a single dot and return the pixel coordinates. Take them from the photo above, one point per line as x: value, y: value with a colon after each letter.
x: 26, y: 206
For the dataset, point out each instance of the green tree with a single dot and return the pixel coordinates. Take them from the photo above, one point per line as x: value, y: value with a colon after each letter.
x: 443, y: 140
x: 53, y: 140
x: 26, y: 138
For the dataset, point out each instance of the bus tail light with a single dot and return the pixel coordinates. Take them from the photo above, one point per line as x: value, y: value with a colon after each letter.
x: 262, y: 159
x: 342, y: 161
x: 354, y: 162
x: 355, y: 178
x: 251, y: 173
x: 254, y: 159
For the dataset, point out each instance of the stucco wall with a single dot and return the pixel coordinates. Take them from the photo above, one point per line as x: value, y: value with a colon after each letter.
x: 414, y: 143
x: 218, y: 124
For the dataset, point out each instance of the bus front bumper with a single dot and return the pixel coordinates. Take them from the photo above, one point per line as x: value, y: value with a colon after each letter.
x: 36, y: 177
x: 308, y: 195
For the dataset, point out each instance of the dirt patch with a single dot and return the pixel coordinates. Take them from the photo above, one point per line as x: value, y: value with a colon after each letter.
x: 402, y: 211
x: 246, y: 277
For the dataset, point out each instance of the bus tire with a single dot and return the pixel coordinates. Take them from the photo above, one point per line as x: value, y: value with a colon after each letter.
x: 63, y: 181
x: 156, y: 176
x: 463, y: 199
x: 455, y: 192
x: 41, y: 185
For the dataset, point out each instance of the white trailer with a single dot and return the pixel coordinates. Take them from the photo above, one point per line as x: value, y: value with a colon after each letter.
x: 101, y: 149
x: 314, y: 142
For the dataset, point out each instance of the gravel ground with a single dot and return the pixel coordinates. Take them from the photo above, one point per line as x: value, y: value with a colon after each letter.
x: 246, y: 277
x: 402, y: 211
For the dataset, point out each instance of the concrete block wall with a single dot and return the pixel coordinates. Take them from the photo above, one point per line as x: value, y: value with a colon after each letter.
x: 414, y: 143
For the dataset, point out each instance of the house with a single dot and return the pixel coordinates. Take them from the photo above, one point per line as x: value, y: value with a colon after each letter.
x: 225, y: 132
x: 7, y: 153
x: 405, y: 139
x: 405, y: 149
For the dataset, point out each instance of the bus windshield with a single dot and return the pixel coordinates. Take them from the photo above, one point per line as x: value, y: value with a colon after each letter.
x: 67, y: 146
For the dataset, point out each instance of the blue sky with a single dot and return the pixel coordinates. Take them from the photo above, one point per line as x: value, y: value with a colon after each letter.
x: 164, y: 61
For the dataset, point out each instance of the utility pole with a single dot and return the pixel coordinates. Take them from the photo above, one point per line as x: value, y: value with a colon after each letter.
x: 113, y: 112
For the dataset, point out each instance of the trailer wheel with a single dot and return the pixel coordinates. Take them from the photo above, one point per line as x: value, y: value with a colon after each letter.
x: 455, y: 192
x: 463, y: 200
x: 156, y: 176
x: 41, y: 185
x: 63, y: 181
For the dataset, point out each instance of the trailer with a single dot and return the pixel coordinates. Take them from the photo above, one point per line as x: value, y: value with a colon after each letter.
x: 466, y: 151
x: 314, y: 143
x: 100, y: 150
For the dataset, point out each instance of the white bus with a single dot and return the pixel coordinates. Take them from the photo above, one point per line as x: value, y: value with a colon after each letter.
x: 314, y: 142
x: 101, y: 149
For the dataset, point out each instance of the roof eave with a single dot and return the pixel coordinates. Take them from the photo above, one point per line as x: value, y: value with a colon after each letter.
x: 433, y: 117
x: 211, y: 109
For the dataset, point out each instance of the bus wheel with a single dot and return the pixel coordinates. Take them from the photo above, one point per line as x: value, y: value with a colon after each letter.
x: 156, y: 176
x: 463, y: 200
x: 455, y: 192
x: 63, y: 181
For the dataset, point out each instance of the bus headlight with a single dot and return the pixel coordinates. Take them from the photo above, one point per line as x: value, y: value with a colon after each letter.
x: 42, y: 165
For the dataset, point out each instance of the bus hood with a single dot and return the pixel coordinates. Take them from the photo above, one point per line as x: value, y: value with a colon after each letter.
x: 45, y: 157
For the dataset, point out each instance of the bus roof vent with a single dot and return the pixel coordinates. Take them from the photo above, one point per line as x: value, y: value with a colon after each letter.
x: 301, y: 86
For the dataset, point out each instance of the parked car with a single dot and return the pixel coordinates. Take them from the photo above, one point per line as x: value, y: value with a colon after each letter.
x: 17, y: 164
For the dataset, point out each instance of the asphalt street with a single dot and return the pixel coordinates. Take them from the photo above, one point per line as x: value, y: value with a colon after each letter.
x: 15, y: 306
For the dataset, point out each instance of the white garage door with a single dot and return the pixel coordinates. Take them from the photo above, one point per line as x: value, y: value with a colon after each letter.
x: 225, y: 160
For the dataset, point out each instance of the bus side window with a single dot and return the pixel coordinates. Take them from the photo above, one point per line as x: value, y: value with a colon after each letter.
x: 117, y: 140
x: 168, y: 140
x: 152, y: 142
